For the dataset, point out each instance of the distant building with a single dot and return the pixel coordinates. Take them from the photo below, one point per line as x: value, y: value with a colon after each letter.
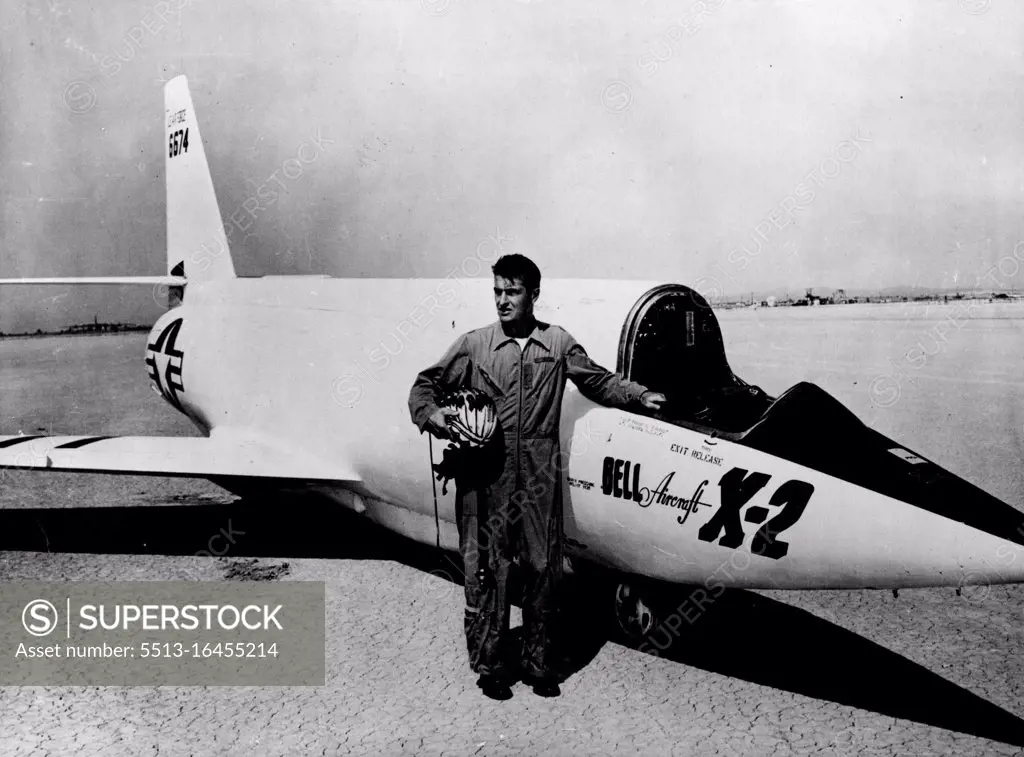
x: 810, y: 298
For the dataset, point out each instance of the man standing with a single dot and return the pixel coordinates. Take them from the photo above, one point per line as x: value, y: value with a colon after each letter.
x: 516, y: 509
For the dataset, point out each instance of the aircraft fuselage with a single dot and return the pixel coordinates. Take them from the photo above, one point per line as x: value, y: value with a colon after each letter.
x: 325, y: 365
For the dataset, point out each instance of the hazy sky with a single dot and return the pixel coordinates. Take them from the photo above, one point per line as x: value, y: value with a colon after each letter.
x: 871, y: 143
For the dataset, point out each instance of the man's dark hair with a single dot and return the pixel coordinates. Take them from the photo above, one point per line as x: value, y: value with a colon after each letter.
x: 517, y: 266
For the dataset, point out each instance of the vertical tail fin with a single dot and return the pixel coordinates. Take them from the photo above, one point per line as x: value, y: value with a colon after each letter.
x: 197, y: 247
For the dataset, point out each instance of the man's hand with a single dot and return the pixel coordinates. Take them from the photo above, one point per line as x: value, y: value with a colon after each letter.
x: 652, y: 400
x: 437, y: 423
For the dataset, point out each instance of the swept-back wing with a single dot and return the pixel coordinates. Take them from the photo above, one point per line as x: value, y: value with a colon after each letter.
x: 189, y: 457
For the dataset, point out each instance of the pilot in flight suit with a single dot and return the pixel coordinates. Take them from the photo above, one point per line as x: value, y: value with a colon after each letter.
x: 522, y: 364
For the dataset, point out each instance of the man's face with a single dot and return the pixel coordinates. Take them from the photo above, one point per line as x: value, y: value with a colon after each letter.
x: 514, y: 302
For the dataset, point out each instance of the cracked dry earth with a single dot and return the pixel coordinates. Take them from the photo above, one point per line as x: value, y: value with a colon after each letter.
x: 397, y: 680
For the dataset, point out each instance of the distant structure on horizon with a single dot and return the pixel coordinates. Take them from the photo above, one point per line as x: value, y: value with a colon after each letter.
x: 84, y: 328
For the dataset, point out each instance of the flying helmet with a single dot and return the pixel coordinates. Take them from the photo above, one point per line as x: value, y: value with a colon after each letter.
x: 477, y: 417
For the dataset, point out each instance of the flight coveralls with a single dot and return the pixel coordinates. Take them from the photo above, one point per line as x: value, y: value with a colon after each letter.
x: 509, y: 500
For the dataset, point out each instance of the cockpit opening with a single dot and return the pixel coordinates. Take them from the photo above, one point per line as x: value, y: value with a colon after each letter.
x: 672, y: 343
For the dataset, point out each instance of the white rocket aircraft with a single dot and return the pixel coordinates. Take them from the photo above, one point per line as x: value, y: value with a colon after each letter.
x: 301, y: 383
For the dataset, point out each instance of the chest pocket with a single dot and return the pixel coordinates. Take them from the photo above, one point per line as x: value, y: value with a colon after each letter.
x: 543, y: 370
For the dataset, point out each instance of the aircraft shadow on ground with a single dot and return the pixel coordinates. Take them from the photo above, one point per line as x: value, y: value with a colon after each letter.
x: 761, y: 640
x: 740, y: 634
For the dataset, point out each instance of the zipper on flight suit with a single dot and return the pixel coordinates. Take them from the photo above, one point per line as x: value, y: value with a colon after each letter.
x: 519, y: 410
